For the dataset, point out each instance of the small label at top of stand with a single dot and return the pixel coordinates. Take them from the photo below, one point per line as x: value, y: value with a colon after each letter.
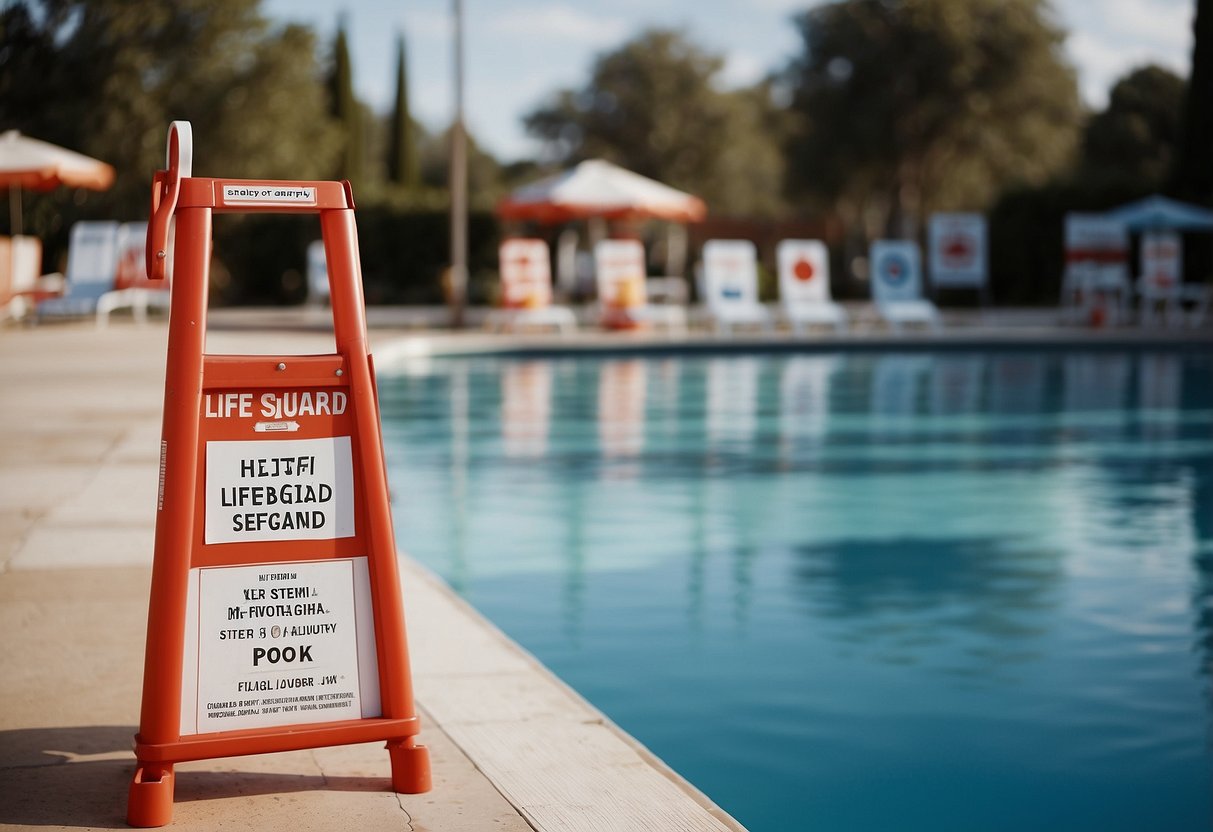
x: 269, y: 195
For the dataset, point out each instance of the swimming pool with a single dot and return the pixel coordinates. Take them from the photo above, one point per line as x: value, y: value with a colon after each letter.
x: 944, y: 591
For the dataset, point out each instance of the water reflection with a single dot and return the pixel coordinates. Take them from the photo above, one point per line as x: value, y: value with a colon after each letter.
x: 897, y: 390
x: 744, y: 454
x: 1159, y: 391
x: 804, y: 400
x: 731, y: 408
x: 908, y: 596
x: 1202, y: 595
x: 1017, y: 383
x: 526, y: 408
x: 1037, y: 527
x: 1097, y: 381
x: 956, y: 384
x: 621, y: 401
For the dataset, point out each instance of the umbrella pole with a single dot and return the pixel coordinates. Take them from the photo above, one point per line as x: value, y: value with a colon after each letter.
x: 14, y: 210
x: 459, y: 186
x: 676, y: 250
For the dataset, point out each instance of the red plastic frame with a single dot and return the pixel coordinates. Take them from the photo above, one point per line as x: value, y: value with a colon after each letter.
x: 180, y: 545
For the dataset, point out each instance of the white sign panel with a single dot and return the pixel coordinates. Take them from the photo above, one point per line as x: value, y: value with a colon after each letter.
x: 526, y: 273
x: 957, y: 253
x: 278, y: 644
x: 1162, y: 260
x: 730, y: 272
x: 285, y: 194
x: 804, y: 271
x: 289, y: 489
x: 1095, y: 237
x: 619, y: 265
x: 896, y: 270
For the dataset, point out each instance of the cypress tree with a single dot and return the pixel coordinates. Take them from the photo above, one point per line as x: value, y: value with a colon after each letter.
x: 402, y: 165
x: 345, y: 109
x: 1193, y: 177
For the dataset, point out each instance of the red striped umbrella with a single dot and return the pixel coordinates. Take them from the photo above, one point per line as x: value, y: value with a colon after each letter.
x: 41, y: 166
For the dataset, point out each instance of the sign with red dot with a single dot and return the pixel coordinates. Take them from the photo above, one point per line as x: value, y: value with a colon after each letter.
x: 957, y: 251
x: 804, y: 271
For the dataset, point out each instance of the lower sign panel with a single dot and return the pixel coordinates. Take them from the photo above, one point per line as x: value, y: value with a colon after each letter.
x: 279, y: 644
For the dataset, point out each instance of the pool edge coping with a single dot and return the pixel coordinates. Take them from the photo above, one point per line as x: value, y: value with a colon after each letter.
x: 417, y: 577
x: 394, y: 351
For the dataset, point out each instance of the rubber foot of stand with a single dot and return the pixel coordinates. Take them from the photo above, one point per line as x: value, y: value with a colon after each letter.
x: 150, y: 802
x: 410, y: 768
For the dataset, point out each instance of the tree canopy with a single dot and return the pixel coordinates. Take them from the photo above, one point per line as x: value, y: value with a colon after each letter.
x: 919, y: 105
x: 1135, y: 137
x: 652, y: 106
x: 892, y: 110
x: 105, y: 77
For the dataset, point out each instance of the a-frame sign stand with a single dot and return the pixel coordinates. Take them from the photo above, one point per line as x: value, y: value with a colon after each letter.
x: 275, y: 621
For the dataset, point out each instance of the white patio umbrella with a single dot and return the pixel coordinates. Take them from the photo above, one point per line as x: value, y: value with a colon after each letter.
x: 597, y: 188
x: 41, y: 166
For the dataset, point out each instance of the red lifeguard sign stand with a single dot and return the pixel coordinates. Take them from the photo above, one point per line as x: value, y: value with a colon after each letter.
x: 275, y: 621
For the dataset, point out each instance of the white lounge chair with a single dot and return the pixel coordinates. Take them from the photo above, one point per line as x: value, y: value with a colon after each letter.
x: 896, y: 269
x: 804, y: 286
x: 730, y: 284
x: 526, y: 289
x: 92, y: 267
x: 20, y: 267
x: 1161, y: 302
x: 623, y: 291
x: 132, y: 288
x: 317, y: 274
x: 1161, y: 291
x: 1095, y: 286
x: 1105, y: 292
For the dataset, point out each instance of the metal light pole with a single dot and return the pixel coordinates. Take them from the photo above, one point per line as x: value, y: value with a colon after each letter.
x: 459, y: 186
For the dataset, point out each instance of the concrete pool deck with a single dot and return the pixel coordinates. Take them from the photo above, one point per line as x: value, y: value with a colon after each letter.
x: 513, y: 748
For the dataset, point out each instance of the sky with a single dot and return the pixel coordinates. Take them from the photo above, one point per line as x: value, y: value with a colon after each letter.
x: 519, y: 52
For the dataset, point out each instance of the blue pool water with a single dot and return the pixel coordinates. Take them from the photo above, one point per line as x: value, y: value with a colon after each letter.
x: 906, y: 591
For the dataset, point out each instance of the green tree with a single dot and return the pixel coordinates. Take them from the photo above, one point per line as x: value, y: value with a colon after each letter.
x: 346, y: 110
x: 903, y: 108
x: 1193, y: 174
x: 1134, y: 138
x: 105, y: 77
x: 652, y: 106
x: 484, y: 172
x: 402, y: 167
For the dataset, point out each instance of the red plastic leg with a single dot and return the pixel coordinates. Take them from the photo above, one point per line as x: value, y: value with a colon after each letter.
x: 151, y: 797
x: 410, y: 766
